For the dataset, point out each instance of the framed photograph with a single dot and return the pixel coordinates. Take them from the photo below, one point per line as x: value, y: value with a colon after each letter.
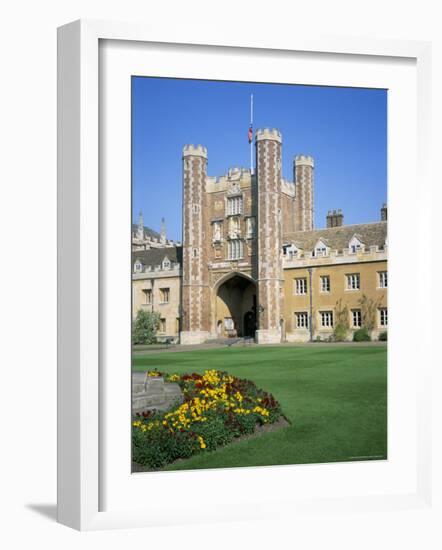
x: 232, y: 308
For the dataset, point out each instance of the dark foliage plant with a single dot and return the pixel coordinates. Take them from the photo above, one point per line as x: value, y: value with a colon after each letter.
x: 361, y: 335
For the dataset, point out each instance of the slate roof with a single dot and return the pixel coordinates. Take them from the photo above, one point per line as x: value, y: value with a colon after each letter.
x: 155, y: 256
x: 147, y: 230
x: 337, y: 238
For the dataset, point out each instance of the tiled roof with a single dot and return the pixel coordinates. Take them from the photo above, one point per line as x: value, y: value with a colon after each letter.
x: 337, y: 238
x: 155, y: 256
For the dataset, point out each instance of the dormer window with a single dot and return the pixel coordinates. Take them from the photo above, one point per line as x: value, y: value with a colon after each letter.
x: 138, y: 267
x: 290, y: 251
x: 166, y: 263
x: 321, y: 249
x: 355, y: 245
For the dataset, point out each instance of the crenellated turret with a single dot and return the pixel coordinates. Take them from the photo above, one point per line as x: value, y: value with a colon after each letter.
x: 269, y: 260
x: 196, y: 292
x: 303, y: 166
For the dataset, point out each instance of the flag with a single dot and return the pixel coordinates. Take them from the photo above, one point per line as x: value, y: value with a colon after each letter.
x: 250, y: 134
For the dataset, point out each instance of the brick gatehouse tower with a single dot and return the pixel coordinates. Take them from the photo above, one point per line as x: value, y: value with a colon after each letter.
x: 234, y: 230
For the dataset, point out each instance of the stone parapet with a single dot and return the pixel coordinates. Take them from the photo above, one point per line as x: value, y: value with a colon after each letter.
x: 304, y: 160
x: 268, y: 133
x: 288, y: 187
x: 194, y: 151
x: 216, y: 184
x: 156, y: 274
x: 336, y: 257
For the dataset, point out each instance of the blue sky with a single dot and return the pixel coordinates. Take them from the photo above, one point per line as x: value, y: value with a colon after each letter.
x: 344, y: 129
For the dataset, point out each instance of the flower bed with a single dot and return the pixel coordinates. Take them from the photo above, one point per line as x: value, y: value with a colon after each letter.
x: 217, y: 408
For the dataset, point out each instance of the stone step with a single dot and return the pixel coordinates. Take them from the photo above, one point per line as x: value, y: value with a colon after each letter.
x: 154, y: 394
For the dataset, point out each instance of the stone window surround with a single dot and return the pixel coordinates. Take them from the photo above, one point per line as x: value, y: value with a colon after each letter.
x: 353, y: 282
x: 383, y: 317
x: 325, y: 288
x: 164, y: 295
x: 148, y: 295
x: 235, y: 205
x: 326, y: 319
x: 356, y: 318
x: 382, y: 279
x: 235, y: 249
x: 300, y: 286
x: 163, y: 326
x: 301, y: 320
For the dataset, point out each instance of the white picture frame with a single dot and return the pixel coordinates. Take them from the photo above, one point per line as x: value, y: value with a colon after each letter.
x: 80, y: 295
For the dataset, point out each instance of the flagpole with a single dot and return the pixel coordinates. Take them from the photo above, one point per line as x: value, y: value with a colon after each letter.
x: 251, y: 141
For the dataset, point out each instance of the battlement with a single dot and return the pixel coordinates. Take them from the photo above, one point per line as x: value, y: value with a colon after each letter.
x: 268, y: 133
x: 304, y: 160
x: 194, y: 151
x: 345, y: 256
x: 236, y: 172
x: 241, y: 176
x: 288, y: 187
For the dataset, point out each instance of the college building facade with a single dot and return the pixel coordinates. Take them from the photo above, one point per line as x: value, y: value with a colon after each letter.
x: 252, y: 264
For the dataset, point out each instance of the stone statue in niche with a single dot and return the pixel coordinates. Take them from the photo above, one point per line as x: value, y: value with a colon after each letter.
x: 216, y: 231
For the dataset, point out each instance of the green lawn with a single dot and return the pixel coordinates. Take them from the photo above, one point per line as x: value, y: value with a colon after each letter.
x: 335, y: 398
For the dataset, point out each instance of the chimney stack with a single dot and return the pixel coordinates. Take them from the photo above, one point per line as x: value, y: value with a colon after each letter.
x: 335, y: 218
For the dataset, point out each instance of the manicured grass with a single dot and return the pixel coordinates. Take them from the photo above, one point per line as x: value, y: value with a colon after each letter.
x: 334, y: 396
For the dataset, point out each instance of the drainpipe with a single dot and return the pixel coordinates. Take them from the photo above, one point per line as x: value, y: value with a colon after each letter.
x: 310, y: 286
x: 152, y: 287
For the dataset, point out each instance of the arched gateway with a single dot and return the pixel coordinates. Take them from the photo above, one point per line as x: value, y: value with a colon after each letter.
x: 235, y: 306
